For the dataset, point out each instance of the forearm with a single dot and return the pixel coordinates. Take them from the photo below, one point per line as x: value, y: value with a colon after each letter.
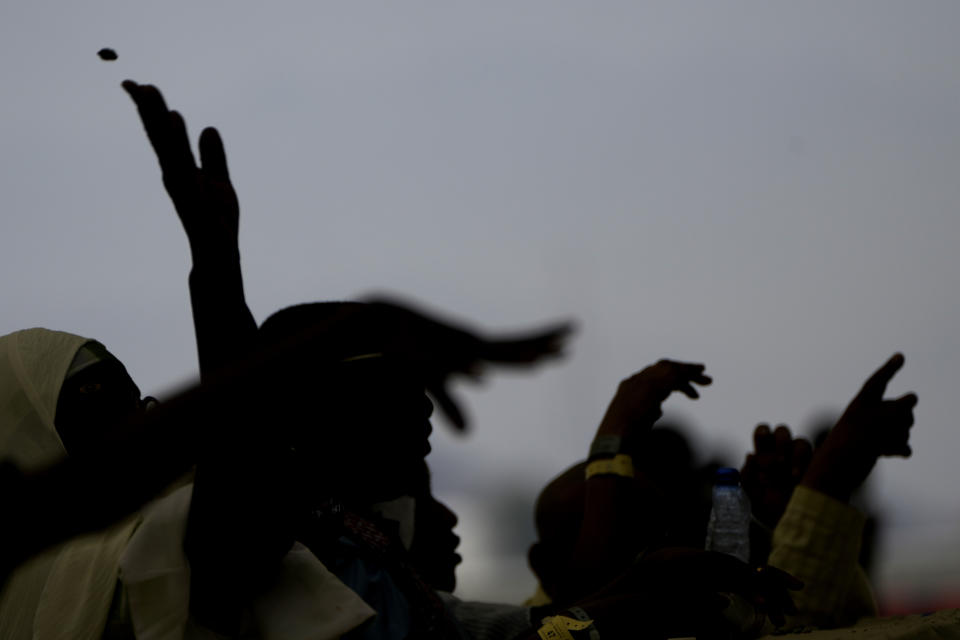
x: 224, y: 327
x: 615, y: 518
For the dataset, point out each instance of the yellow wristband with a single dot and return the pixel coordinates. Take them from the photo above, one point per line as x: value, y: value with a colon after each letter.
x: 620, y: 465
x: 559, y: 627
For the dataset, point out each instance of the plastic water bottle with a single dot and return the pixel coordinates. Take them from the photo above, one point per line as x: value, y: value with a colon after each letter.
x: 728, y: 530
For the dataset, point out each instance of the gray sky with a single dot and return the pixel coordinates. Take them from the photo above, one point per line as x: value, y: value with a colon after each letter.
x: 768, y: 188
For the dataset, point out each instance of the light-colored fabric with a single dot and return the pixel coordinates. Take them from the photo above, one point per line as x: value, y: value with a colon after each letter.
x: 21, y: 594
x: 940, y: 625
x: 154, y: 569
x: 64, y: 592
x: 486, y: 620
x: 818, y: 541
x: 401, y: 510
x: 76, y: 598
x: 306, y: 602
x: 33, y: 363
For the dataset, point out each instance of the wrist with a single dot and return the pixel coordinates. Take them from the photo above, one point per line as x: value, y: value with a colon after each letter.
x: 829, y: 476
x: 214, y: 253
x: 629, y: 424
x: 620, y: 465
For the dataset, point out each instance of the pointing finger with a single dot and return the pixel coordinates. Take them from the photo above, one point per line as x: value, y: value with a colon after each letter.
x: 877, y: 383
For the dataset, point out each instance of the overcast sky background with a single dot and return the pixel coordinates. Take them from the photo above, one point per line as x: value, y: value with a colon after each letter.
x: 768, y: 188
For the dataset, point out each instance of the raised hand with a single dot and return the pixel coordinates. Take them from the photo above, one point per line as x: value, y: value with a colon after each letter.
x: 870, y: 427
x: 440, y: 349
x: 771, y: 472
x: 637, y: 403
x: 203, y: 196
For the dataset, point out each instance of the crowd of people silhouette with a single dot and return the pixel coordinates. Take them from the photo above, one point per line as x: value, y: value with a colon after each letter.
x: 287, y: 496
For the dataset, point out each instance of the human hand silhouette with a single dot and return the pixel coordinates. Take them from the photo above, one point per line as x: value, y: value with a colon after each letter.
x: 203, y: 196
x: 869, y: 428
x: 440, y: 349
x: 771, y: 472
x: 639, y: 398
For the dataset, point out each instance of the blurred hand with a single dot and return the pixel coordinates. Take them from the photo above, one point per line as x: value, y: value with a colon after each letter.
x: 870, y: 427
x: 203, y: 196
x: 440, y: 349
x: 637, y: 403
x: 771, y: 472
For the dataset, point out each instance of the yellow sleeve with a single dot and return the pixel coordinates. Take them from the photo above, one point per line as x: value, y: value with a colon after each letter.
x: 818, y: 541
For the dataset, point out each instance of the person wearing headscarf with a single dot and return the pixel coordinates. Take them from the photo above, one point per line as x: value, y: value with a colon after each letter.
x: 60, y: 394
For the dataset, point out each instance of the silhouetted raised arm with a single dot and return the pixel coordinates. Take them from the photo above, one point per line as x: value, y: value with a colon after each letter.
x: 870, y: 428
x: 617, y: 518
x: 818, y: 538
x: 207, y: 206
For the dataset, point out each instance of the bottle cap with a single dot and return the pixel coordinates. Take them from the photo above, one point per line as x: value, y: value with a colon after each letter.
x: 727, y: 477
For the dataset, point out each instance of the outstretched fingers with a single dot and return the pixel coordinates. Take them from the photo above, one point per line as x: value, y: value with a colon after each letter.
x: 547, y: 343
x: 165, y: 129
x: 697, y: 375
x: 152, y: 109
x: 670, y: 376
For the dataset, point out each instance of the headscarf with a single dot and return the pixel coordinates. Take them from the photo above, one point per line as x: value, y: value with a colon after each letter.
x: 33, y: 365
x: 66, y: 591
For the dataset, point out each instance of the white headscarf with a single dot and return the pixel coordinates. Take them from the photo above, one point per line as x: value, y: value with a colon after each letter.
x: 66, y: 591
x: 33, y: 364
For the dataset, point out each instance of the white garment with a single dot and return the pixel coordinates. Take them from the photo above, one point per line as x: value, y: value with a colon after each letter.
x: 306, y: 601
x: 33, y: 364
